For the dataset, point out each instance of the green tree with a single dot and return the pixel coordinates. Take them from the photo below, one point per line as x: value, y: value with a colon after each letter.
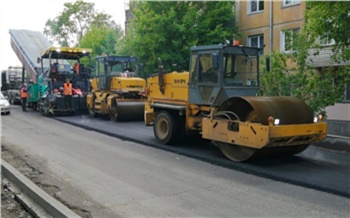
x: 330, y: 20
x: 318, y: 87
x: 69, y: 27
x: 168, y: 29
x: 101, y: 40
x: 321, y: 87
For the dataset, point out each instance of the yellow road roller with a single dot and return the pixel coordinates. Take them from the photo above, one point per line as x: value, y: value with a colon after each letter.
x: 116, y: 89
x: 217, y: 99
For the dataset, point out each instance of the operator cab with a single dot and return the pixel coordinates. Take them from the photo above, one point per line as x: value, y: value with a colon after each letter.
x: 108, y: 67
x: 221, y: 71
x: 59, y: 60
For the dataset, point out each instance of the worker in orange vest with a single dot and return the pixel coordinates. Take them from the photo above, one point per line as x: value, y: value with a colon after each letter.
x: 67, y: 93
x: 77, y: 67
x: 24, y: 96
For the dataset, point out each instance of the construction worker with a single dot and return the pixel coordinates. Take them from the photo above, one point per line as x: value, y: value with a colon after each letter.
x: 77, y: 67
x: 24, y: 96
x: 67, y: 93
x: 54, y: 67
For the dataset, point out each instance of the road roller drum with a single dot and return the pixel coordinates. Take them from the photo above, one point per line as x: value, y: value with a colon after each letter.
x: 288, y: 110
x: 128, y: 111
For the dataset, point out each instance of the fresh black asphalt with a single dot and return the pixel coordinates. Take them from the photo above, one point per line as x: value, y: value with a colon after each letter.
x: 316, y: 168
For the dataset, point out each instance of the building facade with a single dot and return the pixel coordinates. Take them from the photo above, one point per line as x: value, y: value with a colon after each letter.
x: 271, y: 25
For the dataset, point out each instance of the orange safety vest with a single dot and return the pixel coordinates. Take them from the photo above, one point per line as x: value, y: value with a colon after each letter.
x: 67, y: 89
x: 76, y: 67
x: 24, y: 94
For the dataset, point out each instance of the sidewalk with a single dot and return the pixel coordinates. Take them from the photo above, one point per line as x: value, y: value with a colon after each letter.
x: 335, y: 142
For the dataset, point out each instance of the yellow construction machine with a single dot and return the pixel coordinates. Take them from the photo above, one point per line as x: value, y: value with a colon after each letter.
x: 116, y: 90
x: 217, y: 99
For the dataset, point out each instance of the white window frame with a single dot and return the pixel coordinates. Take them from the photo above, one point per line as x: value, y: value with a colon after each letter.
x: 326, y: 43
x: 259, y: 46
x: 291, y: 2
x: 257, y: 6
x: 283, y: 40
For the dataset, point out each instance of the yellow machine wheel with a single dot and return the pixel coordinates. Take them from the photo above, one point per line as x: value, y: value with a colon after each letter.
x: 257, y: 110
x: 164, y: 128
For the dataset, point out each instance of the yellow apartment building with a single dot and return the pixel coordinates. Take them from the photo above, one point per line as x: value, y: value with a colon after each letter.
x: 264, y: 24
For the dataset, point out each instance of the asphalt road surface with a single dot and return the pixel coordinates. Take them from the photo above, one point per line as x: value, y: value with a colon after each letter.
x: 118, y: 178
x: 316, y: 168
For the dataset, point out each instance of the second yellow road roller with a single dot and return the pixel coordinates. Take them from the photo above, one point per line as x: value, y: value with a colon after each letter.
x: 217, y: 99
x: 116, y: 89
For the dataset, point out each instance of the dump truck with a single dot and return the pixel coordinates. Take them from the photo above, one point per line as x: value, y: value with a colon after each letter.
x: 48, y: 89
x: 117, y: 91
x: 11, y: 83
x: 217, y: 100
x: 28, y: 45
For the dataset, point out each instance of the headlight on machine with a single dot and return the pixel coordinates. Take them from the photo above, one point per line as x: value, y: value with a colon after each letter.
x: 7, y: 104
x: 276, y: 122
x: 273, y: 121
x: 318, y: 118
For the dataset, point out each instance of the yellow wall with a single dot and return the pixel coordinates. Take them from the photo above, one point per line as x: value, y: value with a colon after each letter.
x: 259, y: 23
x: 289, y: 17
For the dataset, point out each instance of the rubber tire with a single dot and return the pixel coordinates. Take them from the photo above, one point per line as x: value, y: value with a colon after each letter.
x: 92, y: 112
x: 35, y: 106
x: 41, y: 109
x: 165, y: 120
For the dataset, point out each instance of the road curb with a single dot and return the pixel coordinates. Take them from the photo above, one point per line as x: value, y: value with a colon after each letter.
x: 40, y: 197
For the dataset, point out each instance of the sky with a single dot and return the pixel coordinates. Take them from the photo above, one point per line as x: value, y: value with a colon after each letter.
x: 33, y: 14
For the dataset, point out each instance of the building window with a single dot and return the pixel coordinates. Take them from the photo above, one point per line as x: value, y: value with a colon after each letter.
x: 257, y: 41
x: 288, y: 40
x: 290, y: 2
x: 325, y: 41
x: 255, y: 6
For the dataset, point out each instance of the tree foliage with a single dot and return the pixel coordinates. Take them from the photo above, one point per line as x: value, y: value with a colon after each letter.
x: 167, y: 29
x: 330, y: 20
x: 69, y: 27
x: 318, y: 87
x: 102, y: 39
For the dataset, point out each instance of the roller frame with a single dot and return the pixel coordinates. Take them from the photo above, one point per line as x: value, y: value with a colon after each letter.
x: 258, y: 136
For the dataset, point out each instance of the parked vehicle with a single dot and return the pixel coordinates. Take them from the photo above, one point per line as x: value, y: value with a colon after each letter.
x: 11, y: 83
x: 4, y: 104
